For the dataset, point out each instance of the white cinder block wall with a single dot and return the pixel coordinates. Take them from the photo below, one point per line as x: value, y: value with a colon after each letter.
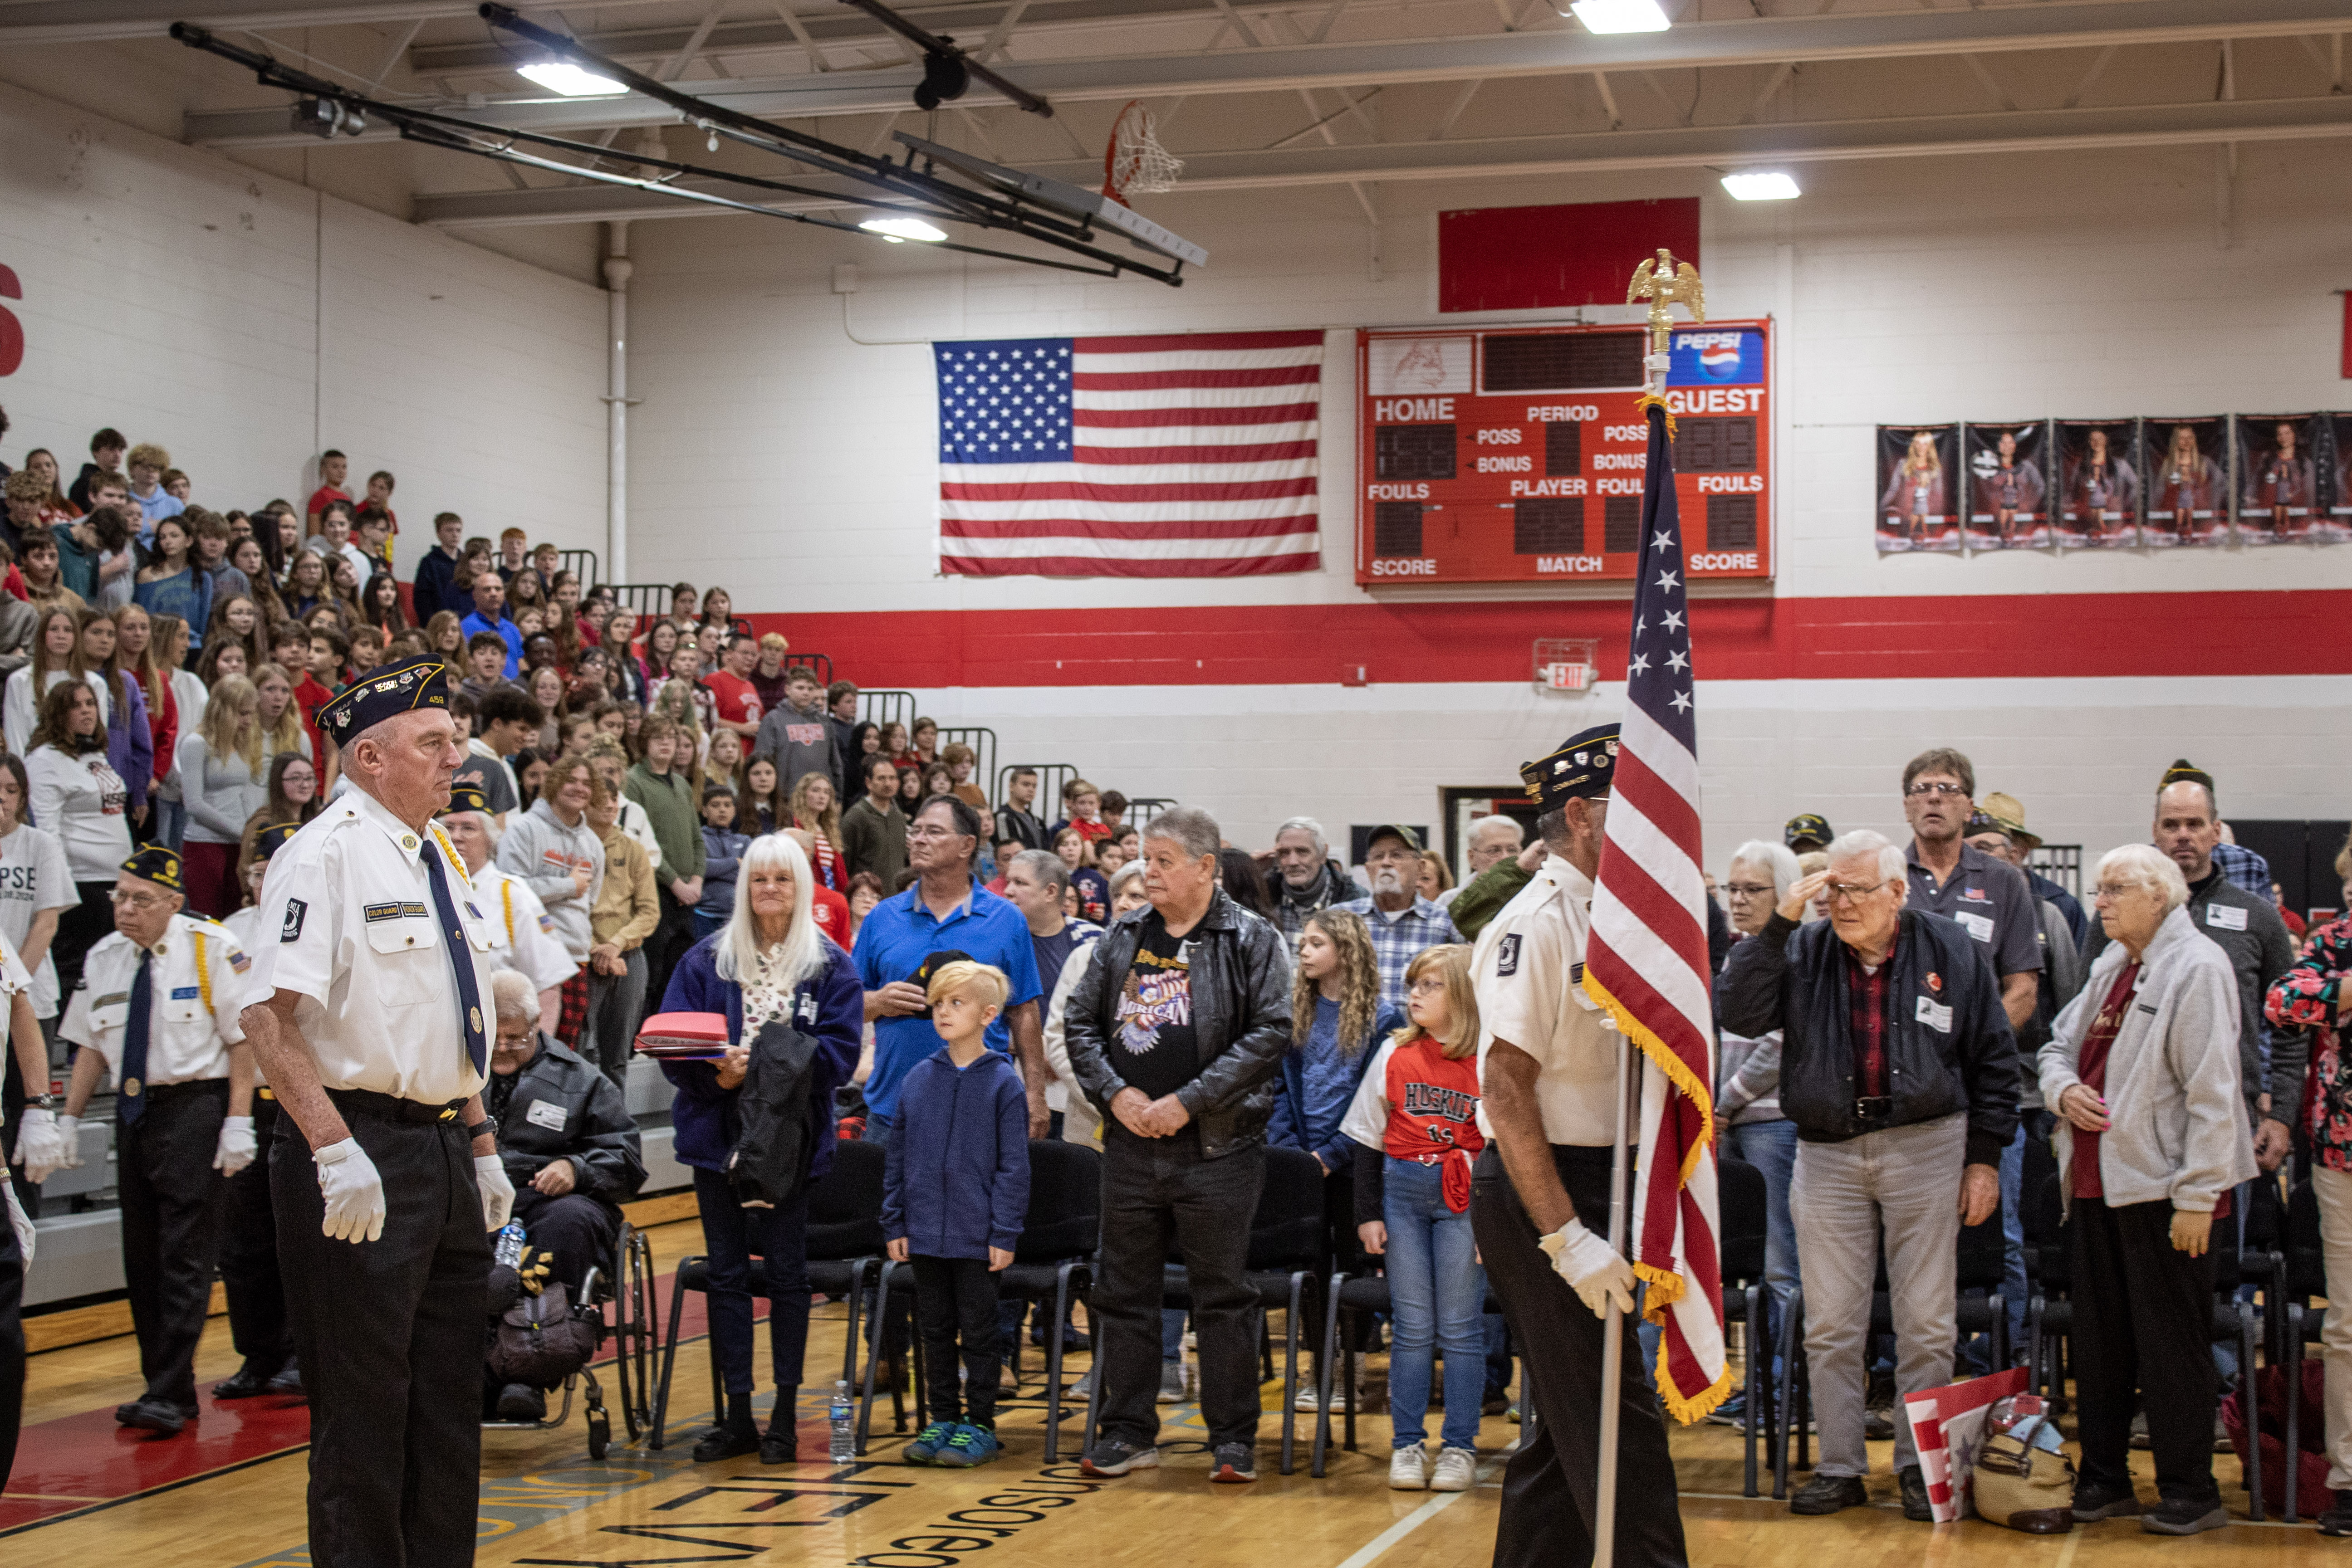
x: 245, y: 323
x: 1929, y: 290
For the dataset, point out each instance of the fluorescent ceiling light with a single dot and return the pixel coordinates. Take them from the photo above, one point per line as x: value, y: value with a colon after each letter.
x: 897, y: 231
x: 1621, y: 16
x: 570, y: 80
x: 1761, y: 185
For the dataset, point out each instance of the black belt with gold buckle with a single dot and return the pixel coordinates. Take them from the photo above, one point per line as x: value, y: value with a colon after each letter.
x: 393, y: 1108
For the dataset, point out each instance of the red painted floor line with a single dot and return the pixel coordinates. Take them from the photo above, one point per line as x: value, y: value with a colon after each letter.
x: 88, y: 1461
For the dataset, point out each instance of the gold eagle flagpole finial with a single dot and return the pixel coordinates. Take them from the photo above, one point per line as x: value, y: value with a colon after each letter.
x: 1662, y: 283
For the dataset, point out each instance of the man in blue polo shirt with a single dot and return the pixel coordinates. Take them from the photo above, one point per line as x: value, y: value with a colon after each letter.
x: 946, y: 910
x: 490, y: 615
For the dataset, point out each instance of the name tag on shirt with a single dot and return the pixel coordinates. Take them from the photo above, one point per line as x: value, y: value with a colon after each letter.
x: 1978, y: 925
x: 2225, y: 918
x: 544, y: 1114
x: 1936, y: 1015
x: 185, y: 993
x: 395, y: 911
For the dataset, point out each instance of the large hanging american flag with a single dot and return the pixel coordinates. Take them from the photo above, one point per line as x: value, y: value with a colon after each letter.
x: 1646, y: 962
x: 1171, y: 455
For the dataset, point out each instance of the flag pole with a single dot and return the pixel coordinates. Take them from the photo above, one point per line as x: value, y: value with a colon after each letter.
x: 1612, y: 1329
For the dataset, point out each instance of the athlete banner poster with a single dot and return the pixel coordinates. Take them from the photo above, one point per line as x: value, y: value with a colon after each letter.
x: 2187, y: 482
x: 1918, y: 489
x: 2099, y: 484
x: 2008, y: 495
x: 2279, y: 476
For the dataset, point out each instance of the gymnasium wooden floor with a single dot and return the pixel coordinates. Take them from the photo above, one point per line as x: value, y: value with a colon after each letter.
x: 87, y: 1494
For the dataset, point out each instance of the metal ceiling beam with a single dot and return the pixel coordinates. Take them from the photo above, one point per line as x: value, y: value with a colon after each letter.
x: 1598, y: 153
x: 1287, y: 68
x: 23, y: 23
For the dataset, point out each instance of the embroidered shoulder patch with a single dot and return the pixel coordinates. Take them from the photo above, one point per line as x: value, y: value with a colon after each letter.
x: 1506, y: 954
x: 238, y: 962
x: 296, y: 912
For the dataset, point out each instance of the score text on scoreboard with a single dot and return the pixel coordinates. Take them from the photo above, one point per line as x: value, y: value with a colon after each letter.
x: 1516, y: 455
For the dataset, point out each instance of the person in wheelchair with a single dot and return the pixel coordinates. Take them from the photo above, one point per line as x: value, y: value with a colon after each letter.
x: 570, y: 1147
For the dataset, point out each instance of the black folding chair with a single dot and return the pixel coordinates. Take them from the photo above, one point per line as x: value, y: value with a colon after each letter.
x: 844, y: 1248
x: 1054, y: 1258
x: 1286, y: 1253
x: 1741, y: 1214
x: 2050, y: 1269
x: 1983, y: 1258
x: 2304, y: 1266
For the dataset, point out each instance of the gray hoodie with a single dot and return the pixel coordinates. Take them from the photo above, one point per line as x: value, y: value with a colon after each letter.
x: 797, y: 740
x: 538, y: 848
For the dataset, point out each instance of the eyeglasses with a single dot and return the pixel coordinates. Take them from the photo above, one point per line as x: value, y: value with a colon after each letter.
x: 2115, y: 889
x: 927, y: 834
x: 1940, y: 790
x: 1847, y: 891
x: 1747, y: 888
x: 122, y: 900
x: 1431, y: 986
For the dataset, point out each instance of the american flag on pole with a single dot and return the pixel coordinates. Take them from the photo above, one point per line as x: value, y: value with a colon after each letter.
x: 1171, y: 455
x: 1646, y: 962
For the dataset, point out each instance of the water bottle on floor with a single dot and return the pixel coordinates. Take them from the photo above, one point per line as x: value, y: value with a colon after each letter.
x: 843, y: 1446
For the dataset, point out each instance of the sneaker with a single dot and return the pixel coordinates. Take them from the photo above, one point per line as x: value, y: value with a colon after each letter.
x: 925, y: 1449
x: 1234, y: 1462
x: 971, y: 1445
x: 1458, y: 1471
x: 1494, y: 1402
x: 2184, y: 1516
x: 1878, y: 1426
x: 1732, y: 1411
x: 1309, y: 1400
x: 521, y: 1402
x: 1117, y: 1456
x: 2095, y: 1504
x: 1827, y: 1494
x: 1409, y: 1468
x: 1171, y: 1382
x: 1916, y: 1507
x: 1512, y: 1414
x: 1084, y: 1389
x: 2337, y: 1519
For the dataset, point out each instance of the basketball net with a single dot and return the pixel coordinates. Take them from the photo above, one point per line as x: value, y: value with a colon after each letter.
x: 1134, y: 161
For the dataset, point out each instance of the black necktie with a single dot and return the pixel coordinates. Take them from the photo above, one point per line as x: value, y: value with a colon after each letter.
x: 130, y: 1092
x: 461, y: 958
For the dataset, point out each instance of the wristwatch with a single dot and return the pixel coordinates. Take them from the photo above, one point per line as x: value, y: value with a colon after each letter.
x: 482, y: 1129
x: 41, y: 1101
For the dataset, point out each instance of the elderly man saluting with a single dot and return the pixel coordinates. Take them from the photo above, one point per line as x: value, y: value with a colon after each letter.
x: 1898, y: 1067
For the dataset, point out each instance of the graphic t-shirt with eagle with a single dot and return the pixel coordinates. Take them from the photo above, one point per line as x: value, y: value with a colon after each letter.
x: 1153, y: 1047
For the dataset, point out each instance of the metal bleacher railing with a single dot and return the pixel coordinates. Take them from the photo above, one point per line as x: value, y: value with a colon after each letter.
x: 2062, y: 863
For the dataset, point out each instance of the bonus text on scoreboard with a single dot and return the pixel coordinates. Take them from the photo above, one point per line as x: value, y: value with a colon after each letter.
x: 1517, y: 454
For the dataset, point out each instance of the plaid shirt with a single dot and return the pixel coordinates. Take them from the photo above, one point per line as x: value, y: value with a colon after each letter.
x: 1868, y: 1022
x: 2244, y: 867
x: 1398, y: 938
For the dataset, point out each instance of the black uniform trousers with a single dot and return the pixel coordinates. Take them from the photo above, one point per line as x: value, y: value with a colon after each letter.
x: 12, y: 1116
x: 1159, y: 1194
x: 172, y: 1201
x: 574, y: 1230
x: 956, y: 1298
x: 248, y: 1257
x: 12, y: 1346
x: 1551, y: 1484
x: 2144, y: 1324
x: 389, y: 1334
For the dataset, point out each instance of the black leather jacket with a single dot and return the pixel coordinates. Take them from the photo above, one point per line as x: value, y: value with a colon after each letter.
x: 585, y: 1121
x: 1241, y: 1019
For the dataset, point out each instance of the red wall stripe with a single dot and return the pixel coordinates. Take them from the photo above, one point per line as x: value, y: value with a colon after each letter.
x: 1983, y: 638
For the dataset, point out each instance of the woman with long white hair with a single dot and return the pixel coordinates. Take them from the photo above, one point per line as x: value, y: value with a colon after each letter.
x: 768, y: 964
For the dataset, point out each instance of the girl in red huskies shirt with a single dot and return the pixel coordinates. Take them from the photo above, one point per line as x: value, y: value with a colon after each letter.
x: 1414, y: 1122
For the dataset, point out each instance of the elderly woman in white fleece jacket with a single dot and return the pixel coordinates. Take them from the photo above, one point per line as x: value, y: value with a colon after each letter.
x: 2142, y: 1069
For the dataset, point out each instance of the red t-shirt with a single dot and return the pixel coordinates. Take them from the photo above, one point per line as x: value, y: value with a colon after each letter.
x: 318, y: 499
x: 1433, y: 1113
x: 2091, y: 1067
x: 738, y: 701
x: 1092, y: 832
x: 831, y: 912
x: 310, y: 697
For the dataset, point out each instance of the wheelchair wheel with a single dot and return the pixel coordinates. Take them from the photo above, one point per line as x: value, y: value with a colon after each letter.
x: 600, y: 1434
x: 634, y: 1333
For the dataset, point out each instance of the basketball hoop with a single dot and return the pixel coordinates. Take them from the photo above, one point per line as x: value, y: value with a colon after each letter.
x: 1134, y: 160
x: 1566, y: 663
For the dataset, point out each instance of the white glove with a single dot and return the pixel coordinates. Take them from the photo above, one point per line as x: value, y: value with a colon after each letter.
x: 497, y: 1192
x: 236, y: 1146
x: 41, y: 1145
x: 354, y: 1193
x: 19, y: 1221
x: 1600, y: 1278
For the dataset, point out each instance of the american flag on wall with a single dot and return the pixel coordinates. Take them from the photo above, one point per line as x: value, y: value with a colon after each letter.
x: 1169, y: 455
x: 1646, y: 962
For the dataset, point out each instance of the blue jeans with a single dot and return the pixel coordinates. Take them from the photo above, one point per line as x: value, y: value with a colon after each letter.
x: 704, y: 925
x: 1437, y: 1295
x: 779, y: 1238
x: 170, y: 820
x: 1976, y: 1353
x: 1771, y: 1147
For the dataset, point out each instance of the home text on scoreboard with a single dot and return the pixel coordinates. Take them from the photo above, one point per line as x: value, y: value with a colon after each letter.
x: 1517, y: 454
